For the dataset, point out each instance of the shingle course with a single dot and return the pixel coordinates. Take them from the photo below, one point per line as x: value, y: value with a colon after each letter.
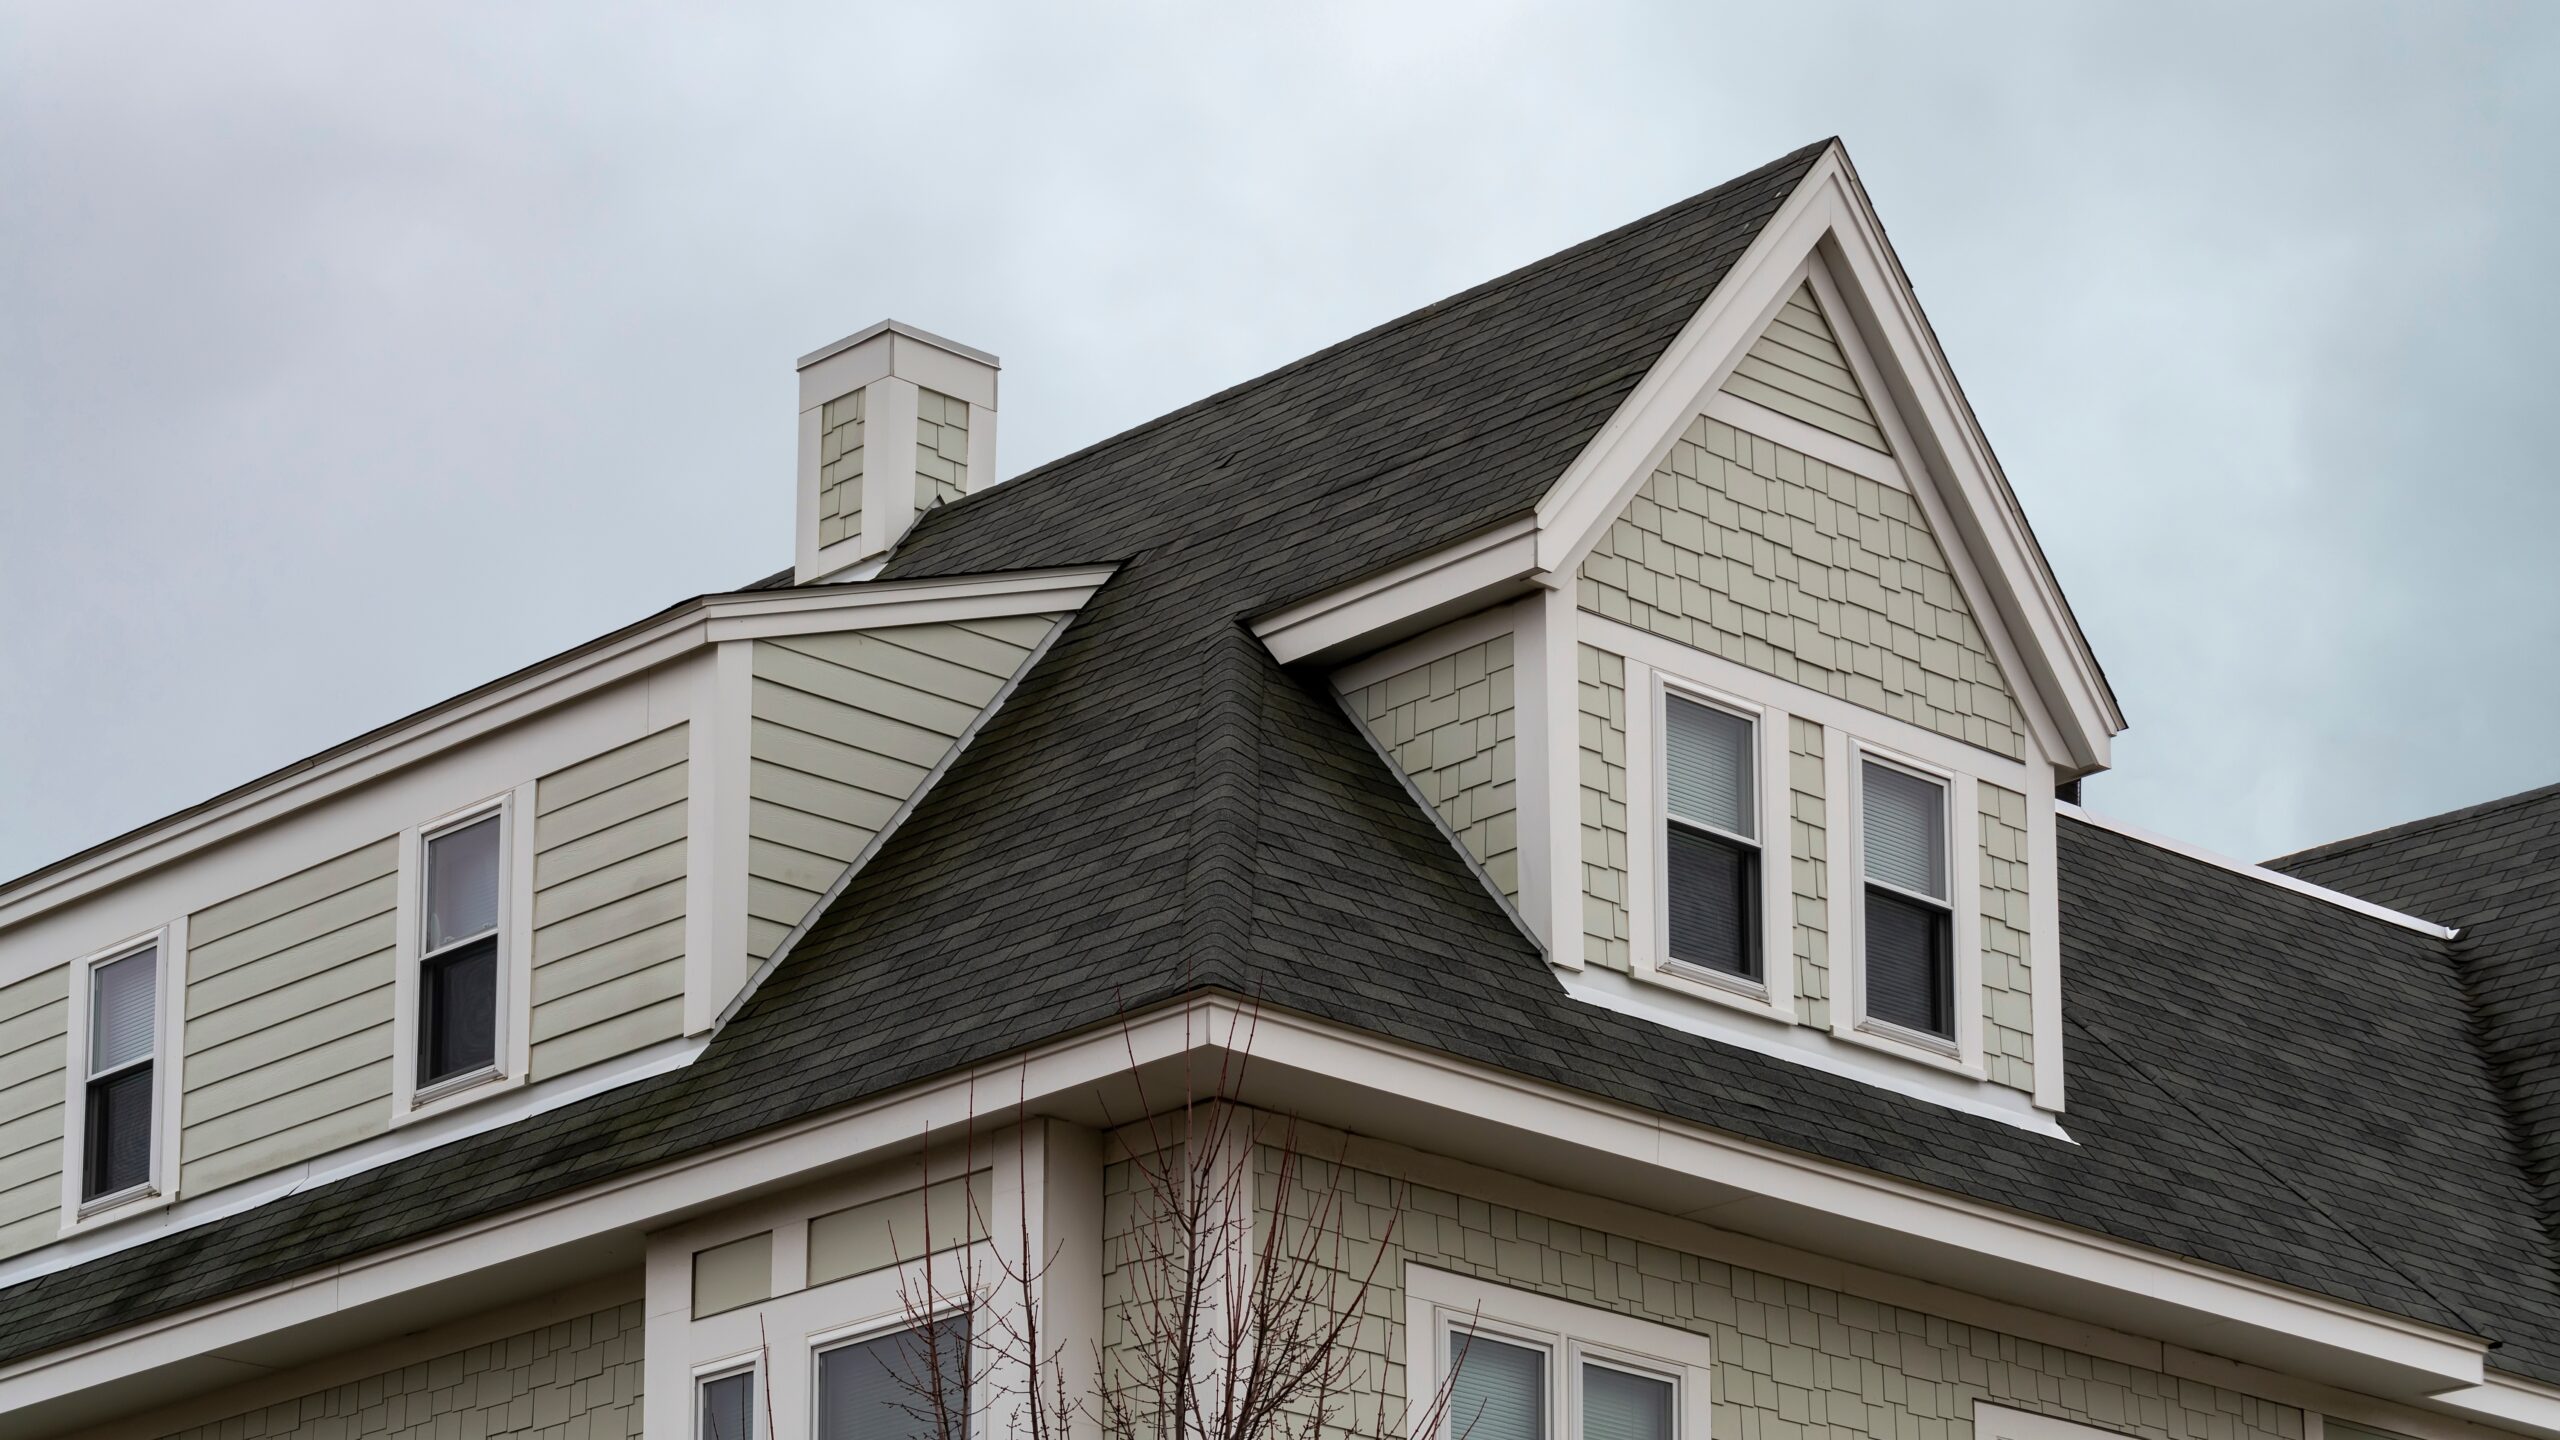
x: 1159, y: 809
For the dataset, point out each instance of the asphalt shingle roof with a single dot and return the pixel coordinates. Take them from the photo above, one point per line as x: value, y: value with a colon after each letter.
x: 2258, y: 1079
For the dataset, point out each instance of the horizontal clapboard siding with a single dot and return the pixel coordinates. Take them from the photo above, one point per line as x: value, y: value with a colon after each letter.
x: 846, y: 726
x: 34, y: 1049
x: 288, y: 1032
x: 1796, y: 368
x: 608, y: 904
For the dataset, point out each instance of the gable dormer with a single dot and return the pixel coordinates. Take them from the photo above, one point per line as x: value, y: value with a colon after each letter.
x: 1757, y: 721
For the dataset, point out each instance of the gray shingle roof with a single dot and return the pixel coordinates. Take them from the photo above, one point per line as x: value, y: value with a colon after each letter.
x: 1160, y: 808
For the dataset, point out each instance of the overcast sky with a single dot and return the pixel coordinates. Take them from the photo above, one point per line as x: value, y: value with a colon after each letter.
x: 351, y: 356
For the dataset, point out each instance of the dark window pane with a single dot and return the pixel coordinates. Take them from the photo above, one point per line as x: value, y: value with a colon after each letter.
x: 1620, y: 1406
x: 1910, y: 976
x: 119, y: 1139
x: 729, y: 1407
x: 913, y: 1385
x: 1715, y: 888
x: 458, y: 1011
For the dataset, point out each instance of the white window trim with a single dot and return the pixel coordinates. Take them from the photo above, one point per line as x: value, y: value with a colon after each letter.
x: 751, y: 1363
x: 515, y: 959
x: 155, y: 1193
x: 1438, y: 1302
x: 1773, y: 996
x: 1847, y: 807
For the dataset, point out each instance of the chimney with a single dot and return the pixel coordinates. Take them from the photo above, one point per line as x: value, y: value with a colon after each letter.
x: 892, y: 419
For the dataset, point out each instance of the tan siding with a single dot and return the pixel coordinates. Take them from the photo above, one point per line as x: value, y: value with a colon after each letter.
x: 1772, y: 559
x: 1448, y: 725
x: 288, y: 1029
x: 846, y: 726
x: 942, y: 448
x: 840, y: 457
x: 1797, y: 369
x: 1602, y: 684
x: 2008, y: 1009
x: 1809, y: 862
x: 1793, y: 1360
x: 579, y: 1377
x: 34, y: 1050
x: 608, y: 903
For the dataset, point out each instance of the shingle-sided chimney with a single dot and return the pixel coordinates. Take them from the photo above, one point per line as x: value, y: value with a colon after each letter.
x: 892, y: 419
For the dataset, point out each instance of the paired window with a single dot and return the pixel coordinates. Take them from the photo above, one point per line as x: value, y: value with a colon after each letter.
x: 118, y: 1098
x: 1711, y: 837
x: 1498, y: 1390
x: 910, y: 1384
x: 1909, y: 929
x: 458, y: 952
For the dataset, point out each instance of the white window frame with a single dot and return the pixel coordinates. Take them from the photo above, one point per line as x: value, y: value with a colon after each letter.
x: 1439, y: 1302
x: 1961, y: 1052
x: 1773, y: 996
x: 512, y: 1051
x: 749, y: 1364
x: 160, y: 1187
x: 878, y: 1327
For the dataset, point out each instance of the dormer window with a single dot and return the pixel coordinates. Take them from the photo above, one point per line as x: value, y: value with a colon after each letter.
x: 1711, y: 840
x: 124, y: 1027
x: 1910, y: 947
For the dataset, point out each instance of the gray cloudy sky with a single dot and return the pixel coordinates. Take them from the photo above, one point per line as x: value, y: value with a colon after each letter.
x: 350, y: 356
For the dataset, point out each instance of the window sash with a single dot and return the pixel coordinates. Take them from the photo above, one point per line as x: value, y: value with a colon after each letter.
x: 1747, y: 919
x: 1940, y: 942
x: 887, y: 1371
x: 1903, y: 831
x: 435, y: 871
x: 1713, y: 731
x: 132, y: 981
x: 1627, y: 1399
x: 1476, y: 1361
x: 105, y: 1143
x: 736, y: 1397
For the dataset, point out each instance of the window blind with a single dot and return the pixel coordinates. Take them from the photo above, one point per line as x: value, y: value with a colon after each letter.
x: 462, y: 884
x: 1707, y: 766
x: 884, y: 1389
x: 1906, y: 831
x: 1712, y: 902
x: 123, y: 1011
x: 1497, y: 1391
x: 729, y: 1407
x: 1617, y: 1405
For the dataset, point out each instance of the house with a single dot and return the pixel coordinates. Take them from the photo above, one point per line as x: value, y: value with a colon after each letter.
x: 1598, y: 753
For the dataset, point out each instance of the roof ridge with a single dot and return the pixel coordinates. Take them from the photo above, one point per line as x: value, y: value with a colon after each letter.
x: 1802, y: 153
x: 2407, y: 828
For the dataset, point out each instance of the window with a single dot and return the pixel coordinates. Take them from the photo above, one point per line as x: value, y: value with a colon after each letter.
x: 1909, y: 924
x: 123, y: 1041
x: 728, y: 1406
x: 911, y: 1384
x: 458, y: 952
x: 1710, y: 838
x: 1510, y: 1365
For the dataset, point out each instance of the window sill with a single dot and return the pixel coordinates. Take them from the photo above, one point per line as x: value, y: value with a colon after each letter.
x: 453, y: 1094
x: 1752, y: 997
x: 1892, y: 1039
x: 114, y: 1209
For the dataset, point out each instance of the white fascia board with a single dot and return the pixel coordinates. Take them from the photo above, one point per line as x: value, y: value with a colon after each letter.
x: 1470, y: 575
x: 2260, y: 873
x: 645, y: 646
x: 2511, y: 1402
x: 1466, y: 1107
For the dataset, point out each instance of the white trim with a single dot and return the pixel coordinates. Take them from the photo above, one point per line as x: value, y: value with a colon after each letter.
x: 1773, y: 995
x: 2260, y: 873
x: 1404, y: 1090
x: 1438, y: 1303
x: 94, y: 1240
x: 654, y: 642
x: 751, y: 1365
x: 899, y: 327
x: 1475, y: 572
x: 1728, y: 408
x: 2509, y: 1401
x: 1962, y: 1052
x: 1421, y: 650
x: 159, y: 1186
x: 2044, y: 948
x: 1547, y: 750
x: 1999, y: 1422
x: 1717, y: 673
x: 410, y: 1101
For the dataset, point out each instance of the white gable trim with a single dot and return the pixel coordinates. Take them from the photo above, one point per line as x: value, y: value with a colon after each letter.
x: 1824, y: 232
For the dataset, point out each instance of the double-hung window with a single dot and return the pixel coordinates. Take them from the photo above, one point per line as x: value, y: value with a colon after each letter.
x: 1909, y: 922
x: 117, y: 1100
x: 911, y: 1384
x: 458, y: 971
x: 1711, y: 838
